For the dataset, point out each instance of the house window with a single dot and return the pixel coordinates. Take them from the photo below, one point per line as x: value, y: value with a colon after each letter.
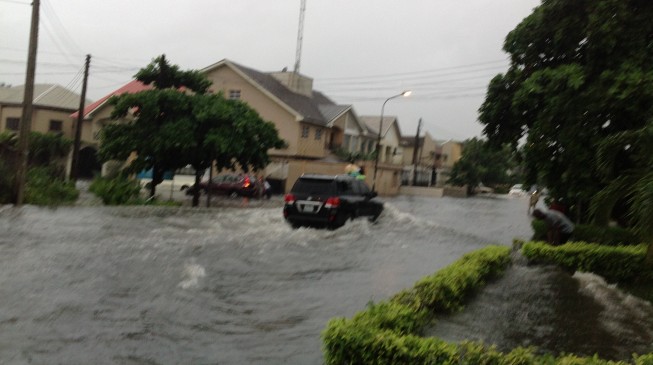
x: 318, y: 134
x: 305, y: 131
x: 13, y: 124
x: 56, y: 126
x: 234, y: 94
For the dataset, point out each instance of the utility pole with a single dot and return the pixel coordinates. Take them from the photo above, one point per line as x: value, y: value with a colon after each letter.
x: 415, y: 150
x: 74, y: 168
x: 28, y: 99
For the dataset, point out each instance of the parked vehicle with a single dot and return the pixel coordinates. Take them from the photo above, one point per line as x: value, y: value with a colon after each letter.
x: 517, y: 190
x: 329, y: 201
x: 232, y: 185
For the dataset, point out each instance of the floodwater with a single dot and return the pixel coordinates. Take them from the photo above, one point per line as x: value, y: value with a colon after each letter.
x: 148, y: 285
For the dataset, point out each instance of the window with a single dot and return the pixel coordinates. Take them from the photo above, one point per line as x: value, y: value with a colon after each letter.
x: 56, y: 126
x: 13, y: 124
x: 318, y: 134
x: 305, y: 131
x: 234, y: 94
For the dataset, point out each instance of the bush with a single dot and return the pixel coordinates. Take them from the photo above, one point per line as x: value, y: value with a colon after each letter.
x: 45, y: 186
x: 387, y: 332
x: 611, y: 236
x: 6, y: 183
x: 615, y: 263
x: 118, y: 190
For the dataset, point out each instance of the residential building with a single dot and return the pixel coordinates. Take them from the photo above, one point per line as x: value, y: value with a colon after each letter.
x: 52, y: 106
x: 312, y: 125
x: 422, y: 160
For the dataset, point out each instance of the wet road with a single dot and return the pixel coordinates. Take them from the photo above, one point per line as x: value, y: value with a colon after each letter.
x: 147, y: 285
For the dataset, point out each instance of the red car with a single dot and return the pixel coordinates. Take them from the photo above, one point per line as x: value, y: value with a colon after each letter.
x: 232, y: 185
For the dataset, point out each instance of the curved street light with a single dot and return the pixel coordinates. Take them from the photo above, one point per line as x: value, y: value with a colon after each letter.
x: 378, y: 138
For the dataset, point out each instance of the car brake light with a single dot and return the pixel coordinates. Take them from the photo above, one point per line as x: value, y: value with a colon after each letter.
x: 332, y: 202
x: 289, y: 199
x: 246, y: 182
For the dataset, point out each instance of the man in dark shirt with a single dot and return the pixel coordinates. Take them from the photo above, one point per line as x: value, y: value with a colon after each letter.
x: 559, y: 227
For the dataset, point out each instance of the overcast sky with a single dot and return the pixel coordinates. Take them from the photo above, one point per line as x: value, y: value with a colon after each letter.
x: 358, y: 52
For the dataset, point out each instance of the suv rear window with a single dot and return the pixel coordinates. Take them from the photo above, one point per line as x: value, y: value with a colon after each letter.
x: 314, y: 186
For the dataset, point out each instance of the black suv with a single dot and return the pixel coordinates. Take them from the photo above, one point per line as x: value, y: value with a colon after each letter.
x: 329, y: 201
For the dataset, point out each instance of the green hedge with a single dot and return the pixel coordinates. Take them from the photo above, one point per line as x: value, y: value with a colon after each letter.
x: 612, y: 236
x: 615, y: 263
x: 389, y: 332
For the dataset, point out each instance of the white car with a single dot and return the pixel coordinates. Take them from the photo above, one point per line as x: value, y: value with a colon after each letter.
x: 517, y: 190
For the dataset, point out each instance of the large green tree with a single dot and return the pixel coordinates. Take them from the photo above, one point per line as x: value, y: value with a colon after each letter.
x: 580, y: 72
x: 178, y: 123
x: 483, y: 162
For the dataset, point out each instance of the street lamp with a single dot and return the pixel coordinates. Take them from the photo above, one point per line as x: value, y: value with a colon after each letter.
x: 378, y: 138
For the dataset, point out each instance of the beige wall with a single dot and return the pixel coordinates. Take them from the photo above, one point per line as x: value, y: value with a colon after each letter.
x: 388, y: 177
x: 41, y: 118
x: 453, y: 150
x: 390, y: 143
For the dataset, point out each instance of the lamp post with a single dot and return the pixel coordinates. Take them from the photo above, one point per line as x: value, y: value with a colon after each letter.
x: 378, y: 138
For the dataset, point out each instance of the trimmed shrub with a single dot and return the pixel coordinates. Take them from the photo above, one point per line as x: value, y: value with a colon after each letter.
x: 118, y: 190
x: 612, y: 236
x: 385, y: 333
x: 615, y: 263
x: 45, y: 186
x: 388, y: 332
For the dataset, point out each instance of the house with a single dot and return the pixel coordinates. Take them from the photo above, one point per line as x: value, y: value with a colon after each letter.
x: 390, y: 153
x: 423, y: 158
x: 390, y: 149
x: 312, y: 125
x: 96, y: 116
x: 450, y: 152
x: 52, y: 106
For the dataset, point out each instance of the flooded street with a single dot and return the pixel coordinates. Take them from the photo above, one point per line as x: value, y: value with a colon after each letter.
x: 147, y: 285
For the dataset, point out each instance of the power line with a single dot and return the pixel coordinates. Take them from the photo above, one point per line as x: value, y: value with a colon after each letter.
x: 504, y: 61
x: 15, y: 2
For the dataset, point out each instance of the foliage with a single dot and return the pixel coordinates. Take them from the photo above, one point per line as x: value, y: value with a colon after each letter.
x: 117, y: 190
x: 580, y: 73
x: 611, y: 236
x: 45, y: 182
x: 178, y: 123
x: 620, y: 263
x: 46, y: 186
x: 6, y: 182
x: 626, y: 161
x: 387, y: 332
x: 482, y: 162
x: 446, y: 290
x: 354, y: 157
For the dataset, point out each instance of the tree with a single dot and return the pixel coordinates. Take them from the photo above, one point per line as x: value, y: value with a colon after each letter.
x: 626, y: 162
x: 580, y: 72
x: 178, y: 123
x: 482, y: 162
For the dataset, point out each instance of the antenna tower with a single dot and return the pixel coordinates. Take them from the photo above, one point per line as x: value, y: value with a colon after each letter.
x: 300, y: 35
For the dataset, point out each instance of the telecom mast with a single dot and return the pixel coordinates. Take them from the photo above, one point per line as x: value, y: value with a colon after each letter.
x: 300, y: 35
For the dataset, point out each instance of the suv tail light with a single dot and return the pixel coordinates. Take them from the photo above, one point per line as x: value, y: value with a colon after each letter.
x: 289, y: 199
x: 246, y: 182
x: 332, y: 202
